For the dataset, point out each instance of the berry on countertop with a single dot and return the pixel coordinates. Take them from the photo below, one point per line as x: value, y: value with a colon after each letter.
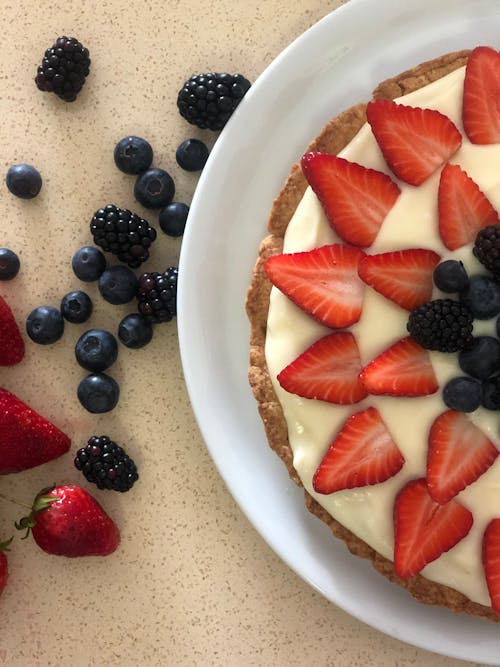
x: 123, y: 233
x: 208, y: 100
x: 45, y: 325
x: 154, y: 188
x: 451, y: 276
x: 23, y: 181
x: 64, y: 68
x: 414, y: 142
x: 481, y: 358
x: 118, y: 285
x: 491, y: 393
x: 98, y: 393
x: 192, y: 155
x: 76, y: 307
x: 11, y: 341
x: 26, y: 438
x: 487, y: 248
x: 4, y: 565
x: 356, y: 200
x: 88, y: 263
x: 96, y: 350
x: 133, y: 155
x: 135, y: 331
x: 491, y: 562
x: 482, y: 297
x: 106, y: 464
x: 157, y: 295
x: 173, y: 218
x: 9, y: 264
x: 481, y: 92
x: 463, y: 394
x: 442, y: 324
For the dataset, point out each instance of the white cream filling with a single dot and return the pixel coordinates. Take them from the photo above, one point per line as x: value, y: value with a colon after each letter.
x: 312, y: 425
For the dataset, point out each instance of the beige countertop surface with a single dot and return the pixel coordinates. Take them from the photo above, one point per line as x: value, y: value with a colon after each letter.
x: 192, y: 583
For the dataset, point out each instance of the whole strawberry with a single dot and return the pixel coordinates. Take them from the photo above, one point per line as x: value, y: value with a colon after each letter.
x: 4, y: 568
x: 67, y: 521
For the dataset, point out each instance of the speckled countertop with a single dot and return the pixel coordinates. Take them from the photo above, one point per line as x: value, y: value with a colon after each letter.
x: 192, y: 583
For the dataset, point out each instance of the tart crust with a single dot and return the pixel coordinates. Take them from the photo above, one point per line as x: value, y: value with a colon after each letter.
x: 333, y: 138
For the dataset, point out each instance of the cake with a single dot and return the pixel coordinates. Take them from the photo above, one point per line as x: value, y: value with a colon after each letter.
x: 427, y: 525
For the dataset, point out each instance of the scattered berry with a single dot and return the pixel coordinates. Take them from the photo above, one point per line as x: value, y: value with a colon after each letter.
x: 76, y: 307
x: 208, y: 100
x: 106, y: 464
x: 154, y: 188
x: 192, y: 155
x: 64, y: 68
x: 45, y: 325
x: 98, y: 393
x: 88, y: 263
x: 487, y: 248
x: 157, y: 295
x: 481, y: 358
x: 481, y: 92
x: 491, y: 393
x: 118, y: 285
x: 173, y: 218
x: 11, y: 342
x: 123, y: 233
x: 491, y: 562
x: 133, y: 155
x: 96, y: 350
x: 450, y: 276
x: 4, y: 565
x: 463, y: 394
x: 482, y: 297
x: 442, y: 324
x: 135, y: 331
x: 23, y: 181
x: 9, y: 264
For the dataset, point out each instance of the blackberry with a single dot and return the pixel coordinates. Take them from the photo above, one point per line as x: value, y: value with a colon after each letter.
x: 64, y: 68
x: 123, y: 233
x: 442, y: 324
x: 106, y: 464
x: 208, y: 100
x: 157, y: 295
x: 487, y: 248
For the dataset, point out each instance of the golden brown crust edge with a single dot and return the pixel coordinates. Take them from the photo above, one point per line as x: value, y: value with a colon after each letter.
x: 337, y: 133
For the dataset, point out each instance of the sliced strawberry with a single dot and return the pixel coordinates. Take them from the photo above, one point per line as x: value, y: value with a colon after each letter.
x: 491, y: 562
x: 459, y: 452
x: 404, y: 276
x: 324, y: 282
x: 356, y: 200
x: 11, y: 343
x: 363, y: 453
x: 424, y: 529
x: 481, y: 99
x: 414, y: 142
x: 463, y: 208
x: 327, y: 371
x: 404, y: 369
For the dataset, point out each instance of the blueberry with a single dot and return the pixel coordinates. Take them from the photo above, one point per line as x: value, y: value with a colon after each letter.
x: 173, y: 218
x: 134, y: 331
x: 482, y: 358
x: 482, y: 297
x: 45, y: 325
x: 450, y: 276
x: 88, y: 263
x: 9, y: 264
x: 192, y: 155
x: 118, y: 285
x: 154, y: 188
x: 96, y: 350
x: 133, y: 155
x: 491, y: 394
x: 463, y: 394
x: 98, y: 393
x: 76, y: 307
x: 24, y: 181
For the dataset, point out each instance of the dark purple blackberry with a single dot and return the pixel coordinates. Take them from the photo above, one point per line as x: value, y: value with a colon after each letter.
x: 442, y: 324
x: 157, y: 295
x: 64, y: 68
x: 106, y: 464
x: 487, y: 248
x: 123, y: 233
x: 208, y: 100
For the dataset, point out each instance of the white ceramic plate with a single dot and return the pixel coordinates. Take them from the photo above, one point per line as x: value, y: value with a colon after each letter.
x: 333, y: 65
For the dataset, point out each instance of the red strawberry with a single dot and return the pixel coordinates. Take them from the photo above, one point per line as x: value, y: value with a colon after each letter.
x: 414, y: 142
x: 424, y: 529
x: 327, y: 371
x: 404, y: 276
x: 4, y: 565
x: 26, y: 438
x: 481, y: 100
x: 491, y: 562
x: 463, y: 208
x: 68, y: 521
x: 324, y: 282
x: 356, y: 200
x: 404, y: 369
x: 459, y: 452
x: 363, y: 453
x: 11, y: 343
